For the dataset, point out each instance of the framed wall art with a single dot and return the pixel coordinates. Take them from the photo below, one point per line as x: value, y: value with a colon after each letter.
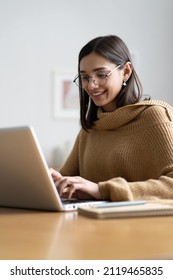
x: 66, y: 96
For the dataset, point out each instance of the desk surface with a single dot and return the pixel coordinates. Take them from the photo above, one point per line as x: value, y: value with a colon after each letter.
x: 42, y: 235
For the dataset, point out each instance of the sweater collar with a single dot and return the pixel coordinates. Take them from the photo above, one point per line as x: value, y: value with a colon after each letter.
x: 124, y: 115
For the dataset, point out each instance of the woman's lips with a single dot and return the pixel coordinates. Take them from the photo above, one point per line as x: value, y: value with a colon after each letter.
x: 97, y: 93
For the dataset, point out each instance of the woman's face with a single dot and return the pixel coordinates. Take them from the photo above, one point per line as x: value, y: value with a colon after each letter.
x: 103, y: 96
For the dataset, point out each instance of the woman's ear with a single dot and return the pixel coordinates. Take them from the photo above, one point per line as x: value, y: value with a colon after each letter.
x: 127, y: 71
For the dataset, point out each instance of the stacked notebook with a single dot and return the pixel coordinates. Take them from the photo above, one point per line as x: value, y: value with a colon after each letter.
x: 127, y: 209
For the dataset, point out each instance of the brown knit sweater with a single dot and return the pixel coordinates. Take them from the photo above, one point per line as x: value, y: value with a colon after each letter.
x: 129, y: 152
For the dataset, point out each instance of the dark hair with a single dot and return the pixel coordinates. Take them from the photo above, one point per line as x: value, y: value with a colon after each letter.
x: 113, y: 49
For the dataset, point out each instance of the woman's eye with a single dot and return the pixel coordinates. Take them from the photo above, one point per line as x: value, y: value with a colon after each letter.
x: 101, y: 75
x: 84, y: 78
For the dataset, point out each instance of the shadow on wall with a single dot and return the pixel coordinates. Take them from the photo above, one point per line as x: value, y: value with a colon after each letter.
x: 59, y: 155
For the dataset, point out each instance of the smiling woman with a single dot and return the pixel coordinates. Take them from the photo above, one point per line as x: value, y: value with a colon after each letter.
x: 107, y: 53
x: 99, y: 79
x: 120, y: 134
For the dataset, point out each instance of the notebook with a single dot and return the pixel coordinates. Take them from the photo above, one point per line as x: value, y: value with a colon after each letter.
x: 25, y: 179
x: 127, y: 209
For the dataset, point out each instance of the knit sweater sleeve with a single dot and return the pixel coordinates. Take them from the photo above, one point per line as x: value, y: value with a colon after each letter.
x: 160, y: 143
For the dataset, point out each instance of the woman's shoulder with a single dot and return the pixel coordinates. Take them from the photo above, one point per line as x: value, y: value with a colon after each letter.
x: 157, y: 110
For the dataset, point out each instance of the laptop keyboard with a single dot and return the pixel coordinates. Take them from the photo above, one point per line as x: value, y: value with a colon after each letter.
x: 72, y: 200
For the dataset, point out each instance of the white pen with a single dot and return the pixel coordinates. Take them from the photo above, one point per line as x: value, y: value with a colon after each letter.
x: 119, y: 203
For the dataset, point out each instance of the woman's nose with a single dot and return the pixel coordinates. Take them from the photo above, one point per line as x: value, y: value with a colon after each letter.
x: 92, y: 84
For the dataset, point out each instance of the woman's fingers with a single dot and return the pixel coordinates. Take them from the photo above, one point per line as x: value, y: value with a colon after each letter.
x: 55, y: 174
x: 71, y: 186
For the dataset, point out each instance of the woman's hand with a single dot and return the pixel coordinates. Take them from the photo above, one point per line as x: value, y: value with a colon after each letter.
x: 75, y: 186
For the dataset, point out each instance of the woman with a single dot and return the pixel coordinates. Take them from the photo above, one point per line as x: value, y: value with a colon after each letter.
x: 124, y: 150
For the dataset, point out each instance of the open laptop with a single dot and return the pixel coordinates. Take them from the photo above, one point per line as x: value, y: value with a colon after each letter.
x: 25, y: 179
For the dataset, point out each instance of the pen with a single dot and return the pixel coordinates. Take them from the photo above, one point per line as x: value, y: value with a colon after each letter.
x: 119, y: 203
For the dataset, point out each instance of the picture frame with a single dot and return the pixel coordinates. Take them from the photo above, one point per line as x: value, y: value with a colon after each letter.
x: 66, y: 96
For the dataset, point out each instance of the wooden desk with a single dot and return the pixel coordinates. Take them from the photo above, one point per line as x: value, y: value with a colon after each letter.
x: 42, y: 235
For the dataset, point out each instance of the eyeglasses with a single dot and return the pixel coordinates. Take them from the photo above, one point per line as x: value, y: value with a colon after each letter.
x: 99, y: 78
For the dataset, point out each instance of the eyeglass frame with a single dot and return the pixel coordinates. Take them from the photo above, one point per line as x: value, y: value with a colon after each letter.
x: 106, y: 76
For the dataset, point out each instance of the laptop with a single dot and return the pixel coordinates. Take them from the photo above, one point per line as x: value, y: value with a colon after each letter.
x: 25, y: 179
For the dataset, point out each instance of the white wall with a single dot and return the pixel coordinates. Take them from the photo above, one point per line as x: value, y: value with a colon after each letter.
x: 38, y: 37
